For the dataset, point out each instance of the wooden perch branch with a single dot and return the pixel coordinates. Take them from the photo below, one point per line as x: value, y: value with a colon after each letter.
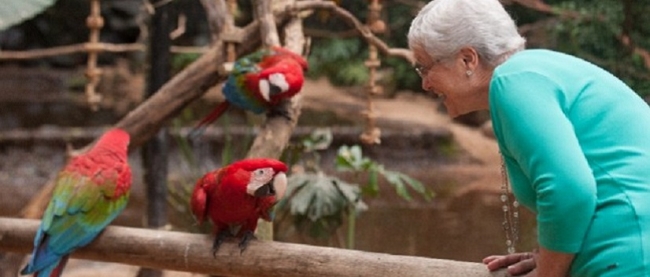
x: 349, y: 18
x: 191, y: 253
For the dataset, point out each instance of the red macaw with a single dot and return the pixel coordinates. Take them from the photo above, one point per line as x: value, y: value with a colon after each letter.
x: 90, y: 192
x: 236, y: 196
x: 259, y: 81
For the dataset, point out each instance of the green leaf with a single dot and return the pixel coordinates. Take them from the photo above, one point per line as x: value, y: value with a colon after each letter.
x: 319, y: 139
x: 13, y: 12
x: 395, y: 180
x: 317, y: 196
x: 414, y: 184
x: 350, y: 158
x: 402, y: 182
x: 372, y: 188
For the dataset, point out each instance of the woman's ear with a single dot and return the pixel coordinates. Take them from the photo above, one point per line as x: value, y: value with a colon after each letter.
x: 469, y: 57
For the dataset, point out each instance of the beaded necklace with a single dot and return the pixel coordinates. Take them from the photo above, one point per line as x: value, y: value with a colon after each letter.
x: 510, y: 212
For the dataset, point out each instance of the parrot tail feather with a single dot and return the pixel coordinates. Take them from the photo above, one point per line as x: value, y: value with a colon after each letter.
x: 203, y: 124
x: 54, y: 270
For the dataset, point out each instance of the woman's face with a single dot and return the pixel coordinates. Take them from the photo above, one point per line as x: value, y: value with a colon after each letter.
x: 448, y: 79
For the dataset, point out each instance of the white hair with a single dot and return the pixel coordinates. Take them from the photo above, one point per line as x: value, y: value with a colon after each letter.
x: 443, y: 27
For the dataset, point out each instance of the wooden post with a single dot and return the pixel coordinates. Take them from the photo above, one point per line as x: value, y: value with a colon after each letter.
x: 192, y: 253
x: 155, y: 152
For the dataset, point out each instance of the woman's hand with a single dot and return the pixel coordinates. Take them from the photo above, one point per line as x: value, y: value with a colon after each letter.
x: 516, y: 264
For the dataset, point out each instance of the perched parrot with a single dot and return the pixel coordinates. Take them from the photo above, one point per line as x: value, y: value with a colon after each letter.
x: 236, y: 196
x: 90, y: 192
x: 259, y: 81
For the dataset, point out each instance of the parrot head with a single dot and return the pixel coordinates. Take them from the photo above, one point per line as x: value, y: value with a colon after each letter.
x: 284, y: 52
x: 267, y: 176
x: 114, y: 142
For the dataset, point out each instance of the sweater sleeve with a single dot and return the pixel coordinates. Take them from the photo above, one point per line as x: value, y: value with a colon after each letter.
x: 529, y: 115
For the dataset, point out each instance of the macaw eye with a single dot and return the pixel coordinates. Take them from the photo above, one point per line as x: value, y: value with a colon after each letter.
x: 262, y: 171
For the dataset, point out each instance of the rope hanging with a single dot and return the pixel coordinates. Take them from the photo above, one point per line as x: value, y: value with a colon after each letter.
x: 94, y: 22
x: 372, y: 134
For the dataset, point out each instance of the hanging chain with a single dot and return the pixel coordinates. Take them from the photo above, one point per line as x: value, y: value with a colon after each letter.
x: 510, y: 212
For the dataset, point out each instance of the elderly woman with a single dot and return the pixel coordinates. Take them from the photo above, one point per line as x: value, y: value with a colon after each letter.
x: 575, y: 139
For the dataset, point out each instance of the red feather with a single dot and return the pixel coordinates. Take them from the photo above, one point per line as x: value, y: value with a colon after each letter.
x: 259, y: 82
x: 221, y: 195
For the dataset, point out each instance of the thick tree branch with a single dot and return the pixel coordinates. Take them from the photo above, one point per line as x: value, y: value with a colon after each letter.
x: 268, y: 29
x: 217, y: 14
x: 191, y: 253
x: 276, y: 132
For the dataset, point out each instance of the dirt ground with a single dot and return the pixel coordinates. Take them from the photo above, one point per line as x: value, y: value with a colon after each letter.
x: 407, y: 111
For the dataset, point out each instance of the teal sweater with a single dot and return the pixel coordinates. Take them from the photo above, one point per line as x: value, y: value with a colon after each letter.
x: 576, y: 143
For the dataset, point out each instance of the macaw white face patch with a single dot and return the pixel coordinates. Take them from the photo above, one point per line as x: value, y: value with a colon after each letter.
x: 265, y: 89
x: 276, y: 83
x: 259, y: 178
x: 278, y: 80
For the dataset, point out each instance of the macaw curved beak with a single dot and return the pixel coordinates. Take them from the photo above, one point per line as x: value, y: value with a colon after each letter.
x: 277, y: 186
x: 265, y: 190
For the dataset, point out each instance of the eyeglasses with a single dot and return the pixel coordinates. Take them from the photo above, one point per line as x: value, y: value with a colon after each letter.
x: 422, y: 70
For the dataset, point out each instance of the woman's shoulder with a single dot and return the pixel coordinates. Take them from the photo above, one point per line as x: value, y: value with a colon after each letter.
x: 546, y: 62
x: 545, y: 58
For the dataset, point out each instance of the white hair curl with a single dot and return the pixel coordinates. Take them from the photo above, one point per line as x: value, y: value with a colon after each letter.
x: 443, y: 27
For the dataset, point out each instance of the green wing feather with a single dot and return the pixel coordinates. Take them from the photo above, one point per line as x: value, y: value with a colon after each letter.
x: 80, y: 209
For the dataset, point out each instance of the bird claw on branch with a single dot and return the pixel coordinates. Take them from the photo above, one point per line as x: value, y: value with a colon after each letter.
x: 248, y: 236
x: 218, y: 240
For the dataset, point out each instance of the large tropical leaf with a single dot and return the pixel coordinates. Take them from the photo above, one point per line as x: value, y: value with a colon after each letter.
x: 318, y: 203
x: 16, y: 11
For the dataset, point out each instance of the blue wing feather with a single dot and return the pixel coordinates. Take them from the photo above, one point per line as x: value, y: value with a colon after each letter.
x: 239, y: 95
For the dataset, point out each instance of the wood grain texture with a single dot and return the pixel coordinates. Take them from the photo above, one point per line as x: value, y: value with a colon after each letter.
x: 192, y: 253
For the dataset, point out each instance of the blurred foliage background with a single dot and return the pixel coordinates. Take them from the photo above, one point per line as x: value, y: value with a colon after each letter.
x: 610, y: 33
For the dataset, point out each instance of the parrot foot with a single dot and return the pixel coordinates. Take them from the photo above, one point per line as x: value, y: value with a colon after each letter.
x: 218, y: 240
x: 248, y: 236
